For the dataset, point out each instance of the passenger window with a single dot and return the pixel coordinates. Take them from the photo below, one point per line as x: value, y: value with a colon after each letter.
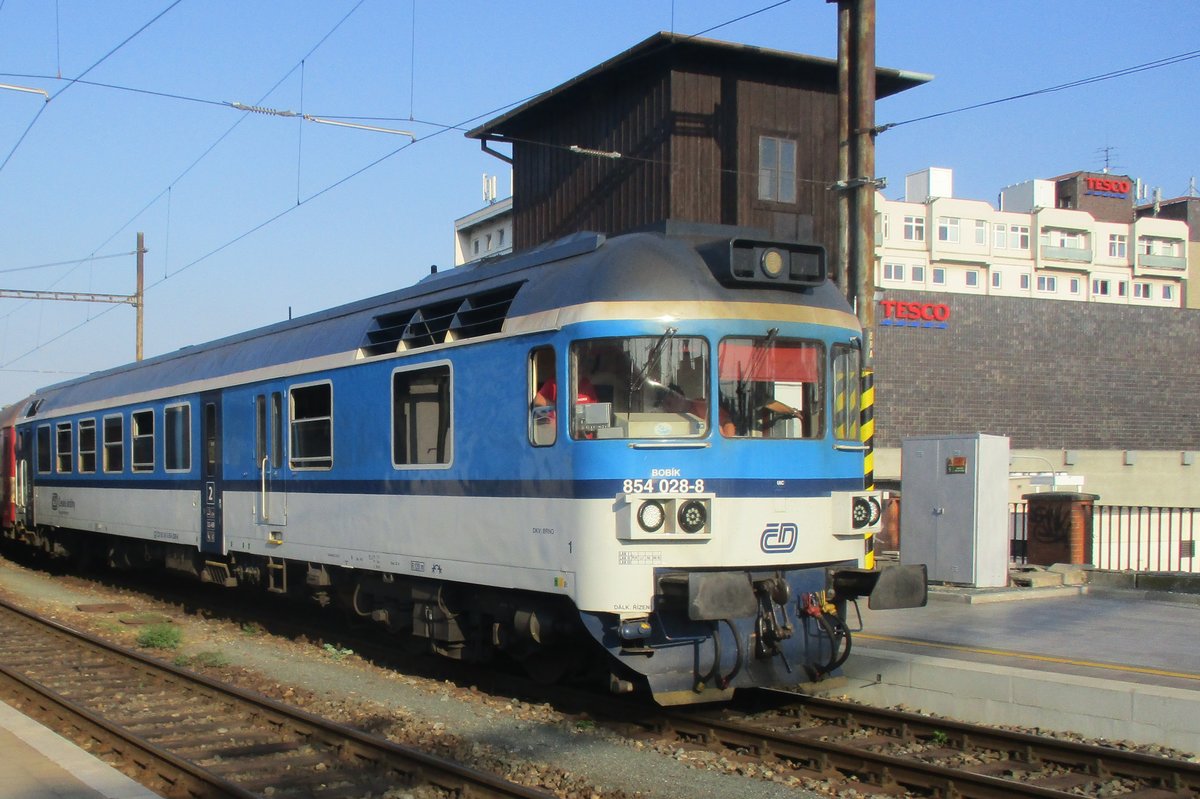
x: 847, y: 403
x: 312, y: 427
x: 87, y: 446
x: 43, y: 449
x: 177, y: 445
x: 543, y: 396
x: 422, y: 429
x: 114, y: 444
x: 63, y: 447
x: 142, y: 433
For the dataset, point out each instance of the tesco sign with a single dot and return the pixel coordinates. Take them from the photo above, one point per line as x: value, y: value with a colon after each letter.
x: 915, y: 314
x: 1108, y: 187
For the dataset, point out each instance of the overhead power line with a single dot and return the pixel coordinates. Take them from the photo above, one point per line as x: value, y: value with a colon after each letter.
x: 1119, y: 73
x: 89, y: 259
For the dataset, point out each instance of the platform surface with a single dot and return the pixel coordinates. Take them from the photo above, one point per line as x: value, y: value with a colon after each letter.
x: 39, y: 764
x: 1111, y: 664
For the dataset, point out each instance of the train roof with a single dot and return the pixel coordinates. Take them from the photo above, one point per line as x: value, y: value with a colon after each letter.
x: 471, y: 300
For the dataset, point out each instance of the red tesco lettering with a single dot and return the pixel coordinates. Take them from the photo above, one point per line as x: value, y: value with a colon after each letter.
x: 916, y: 311
x: 1109, y: 184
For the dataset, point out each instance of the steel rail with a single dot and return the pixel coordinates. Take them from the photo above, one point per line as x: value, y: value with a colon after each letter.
x: 886, y: 771
x: 1179, y: 774
x: 352, y: 745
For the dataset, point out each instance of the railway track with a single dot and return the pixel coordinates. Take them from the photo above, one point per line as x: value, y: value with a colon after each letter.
x: 184, y: 735
x: 901, y: 753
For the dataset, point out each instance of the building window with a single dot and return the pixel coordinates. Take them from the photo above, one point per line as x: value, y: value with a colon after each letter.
x: 422, y: 417
x: 1066, y: 239
x: 948, y: 229
x: 87, y: 446
x: 1000, y: 236
x: 776, y: 169
x: 1148, y: 245
x: 1025, y: 282
x: 1074, y: 285
x: 1141, y: 291
x: 142, y: 433
x: 939, y: 276
x: 884, y: 227
x: 177, y: 443
x: 972, y: 277
x: 312, y: 426
x: 893, y: 271
x: 1168, y: 292
x: 475, y: 246
x: 500, y: 237
x: 1047, y: 284
x: 1122, y: 291
x: 1018, y: 237
x: 1117, y: 245
x: 996, y: 280
x: 114, y: 444
x: 63, y: 447
x: 914, y: 228
x: 918, y: 274
x: 1100, y: 288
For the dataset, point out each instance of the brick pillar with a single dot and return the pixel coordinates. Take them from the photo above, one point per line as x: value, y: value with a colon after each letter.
x: 1060, y: 528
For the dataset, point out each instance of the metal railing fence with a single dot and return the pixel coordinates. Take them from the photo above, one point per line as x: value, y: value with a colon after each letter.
x: 1127, y: 537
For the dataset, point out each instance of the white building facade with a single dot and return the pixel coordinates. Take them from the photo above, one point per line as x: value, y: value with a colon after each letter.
x: 484, y: 233
x: 933, y: 241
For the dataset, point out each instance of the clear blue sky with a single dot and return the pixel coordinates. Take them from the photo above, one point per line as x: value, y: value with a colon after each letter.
x: 247, y: 216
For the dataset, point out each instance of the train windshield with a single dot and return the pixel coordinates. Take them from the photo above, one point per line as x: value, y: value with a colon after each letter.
x: 771, y: 387
x: 641, y: 387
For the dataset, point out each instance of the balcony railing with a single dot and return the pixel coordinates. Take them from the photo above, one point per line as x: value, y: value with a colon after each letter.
x: 1173, y: 262
x: 1128, y: 537
x: 1074, y: 254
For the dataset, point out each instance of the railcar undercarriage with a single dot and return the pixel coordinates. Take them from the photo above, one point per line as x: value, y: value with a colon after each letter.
x: 710, y: 632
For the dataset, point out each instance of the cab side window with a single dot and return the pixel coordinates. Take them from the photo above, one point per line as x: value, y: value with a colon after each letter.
x: 543, y: 397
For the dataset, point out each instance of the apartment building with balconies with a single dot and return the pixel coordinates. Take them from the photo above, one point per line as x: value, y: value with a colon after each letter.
x: 1036, y: 244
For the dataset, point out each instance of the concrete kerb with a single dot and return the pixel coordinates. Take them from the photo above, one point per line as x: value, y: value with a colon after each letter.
x: 1002, y: 695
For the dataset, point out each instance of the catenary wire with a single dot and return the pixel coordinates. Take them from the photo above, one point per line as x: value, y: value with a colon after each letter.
x: 460, y: 126
x: 74, y: 80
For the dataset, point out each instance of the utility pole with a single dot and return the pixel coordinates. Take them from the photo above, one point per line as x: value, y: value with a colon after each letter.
x: 136, y: 300
x: 139, y: 298
x: 856, y: 185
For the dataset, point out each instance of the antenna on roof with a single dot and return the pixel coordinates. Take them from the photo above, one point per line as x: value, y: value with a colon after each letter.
x: 489, y: 188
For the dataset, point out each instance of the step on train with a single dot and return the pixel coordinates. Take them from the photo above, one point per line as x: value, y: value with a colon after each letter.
x: 633, y: 458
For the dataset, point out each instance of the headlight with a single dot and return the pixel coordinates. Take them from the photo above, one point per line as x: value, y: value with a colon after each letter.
x: 865, y: 511
x: 772, y: 263
x: 651, y: 515
x: 692, y: 516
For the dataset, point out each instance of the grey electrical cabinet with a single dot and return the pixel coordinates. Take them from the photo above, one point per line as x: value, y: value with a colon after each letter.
x: 954, y: 508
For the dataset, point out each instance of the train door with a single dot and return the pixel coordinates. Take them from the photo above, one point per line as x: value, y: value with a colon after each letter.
x: 24, y: 487
x: 212, y: 531
x: 271, y: 508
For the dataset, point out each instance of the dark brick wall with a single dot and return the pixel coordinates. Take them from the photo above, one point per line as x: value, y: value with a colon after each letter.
x: 1046, y: 373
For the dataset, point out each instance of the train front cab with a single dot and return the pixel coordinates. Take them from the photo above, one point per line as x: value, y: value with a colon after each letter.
x: 735, y: 537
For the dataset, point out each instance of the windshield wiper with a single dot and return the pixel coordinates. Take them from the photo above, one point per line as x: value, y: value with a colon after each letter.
x: 652, y: 358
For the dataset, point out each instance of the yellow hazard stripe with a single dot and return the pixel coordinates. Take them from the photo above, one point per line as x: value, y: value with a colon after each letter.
x: 867, y: 430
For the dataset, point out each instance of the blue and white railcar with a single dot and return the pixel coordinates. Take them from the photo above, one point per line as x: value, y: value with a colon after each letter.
x: 690, y: 502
